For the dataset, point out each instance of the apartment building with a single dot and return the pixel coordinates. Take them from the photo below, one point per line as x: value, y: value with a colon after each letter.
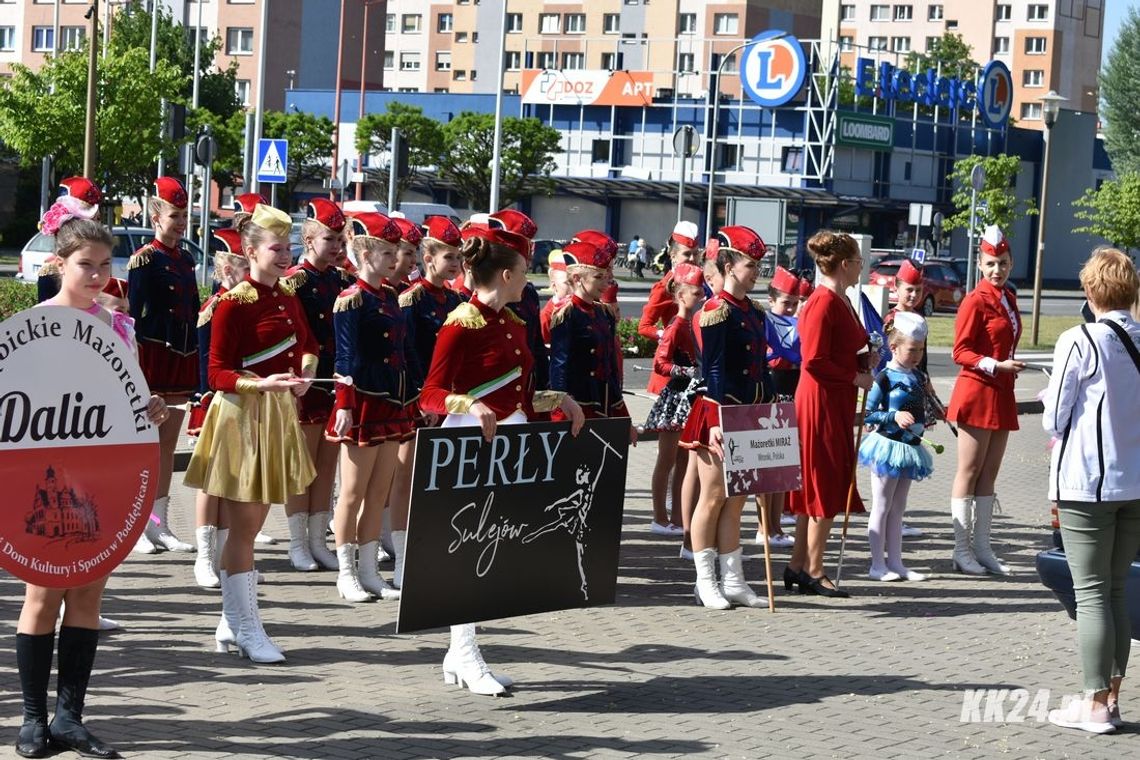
x: 293, y: 59
x: 1047, y: 44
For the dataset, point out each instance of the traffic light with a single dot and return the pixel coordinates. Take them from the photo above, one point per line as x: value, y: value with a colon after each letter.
x: 403, y: 165
x: 177, y: 122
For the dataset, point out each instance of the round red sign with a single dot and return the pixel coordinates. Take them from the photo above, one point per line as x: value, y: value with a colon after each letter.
x: 78, y: 458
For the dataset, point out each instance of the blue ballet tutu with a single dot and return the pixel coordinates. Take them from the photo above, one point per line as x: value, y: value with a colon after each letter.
x: 894, y: 459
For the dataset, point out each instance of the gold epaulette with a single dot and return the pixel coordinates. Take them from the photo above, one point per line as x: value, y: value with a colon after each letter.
x: 140, y: 258
x: 558, y: 315
x: 286, y: 287
x: 714, y: 316
x: 511, y: 315
x: 348, y: 300
x: 465, y: 315
x: 296, y: 280
x: 243, y: 292
x: 347, y: 277
x: 411, y: 295
x: 207, y: 312
x: 50, y: 268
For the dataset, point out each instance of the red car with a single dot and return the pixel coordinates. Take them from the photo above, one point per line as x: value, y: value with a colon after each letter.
x: 942, y: 289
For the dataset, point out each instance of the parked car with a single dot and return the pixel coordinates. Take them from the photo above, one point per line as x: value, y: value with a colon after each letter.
x: 942, y: 287
x: 542, y: 249
x: 127, y: 240
x: 1053, y: 570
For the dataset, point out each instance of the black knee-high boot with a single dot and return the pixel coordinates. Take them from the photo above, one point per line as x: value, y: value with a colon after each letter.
x: 76, y: 658
x: 33, y: 659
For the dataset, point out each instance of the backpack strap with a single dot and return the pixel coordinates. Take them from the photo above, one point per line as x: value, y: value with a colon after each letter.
x: 1126, y: 339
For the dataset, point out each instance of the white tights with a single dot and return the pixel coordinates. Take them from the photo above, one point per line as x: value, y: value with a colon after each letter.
x: 884, y: 529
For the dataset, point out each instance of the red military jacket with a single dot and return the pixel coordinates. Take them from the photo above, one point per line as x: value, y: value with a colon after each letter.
x: 482, y: 355
x: 259, y: 330
x: 985, y: 328
x: 659, y: 309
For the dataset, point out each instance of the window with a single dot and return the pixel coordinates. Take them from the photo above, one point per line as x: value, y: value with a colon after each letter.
x: 934, y: 13
x: 900, y: 44
x: 241, y: 89
x: 729, y: 156
x: 43, y: 38
x: 877, y: 43
x: 407, y: 89
x: 389, y: 60
x: 932, y: 43
x: 687, y: 23
x: 611, y: 23
x: 1030, y: 110
x: 514, y: 60
x: 730, y: 64
x: 687, y: 62
x: 951, y: 24
x: 474, y: 75
x: 847, y: 13
x: 410, y: 60
x: 726, y: 23
x: 573, y: 60
x: 1038, y: 12
x: 7, y: 38
x: 390, y: 22
x: 444, y: 23
x: 880, y: 13
x: 514, y: 23
x: 904, y: 12
x: 71, y: 37
x: 546, y: 60
x: 548, y: 23
x: 239, y: 40
x: 609, y: 61
x: 443, y: 60
x: 1033, y: 78
x: 600, y: 151
x: 410, y: 23
x: 846, y: 42
x: 1001, y: 45
x: 792, y: 159
x: 1035, y: 45
x: 459, y: 75
x: 441, y: 90
x: 575, y: 23
x: 1004, y: 12
x: 460, y: 37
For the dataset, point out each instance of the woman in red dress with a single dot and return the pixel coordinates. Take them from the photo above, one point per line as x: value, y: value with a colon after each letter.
x: 982, y: 403
x: 831, y: 338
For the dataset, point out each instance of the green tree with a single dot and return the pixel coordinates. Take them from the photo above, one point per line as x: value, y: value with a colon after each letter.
x: 37, y: 121
x: 423, y: 135
x: 1112, y: 211
x: 1120, y: 97
x: 996, y: 204
x: 310, y: 145
x: 949, y: 54
x: 528, y: 153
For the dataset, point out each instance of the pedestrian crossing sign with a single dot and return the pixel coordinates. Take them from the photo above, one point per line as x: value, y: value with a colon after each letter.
x: 272, y: 160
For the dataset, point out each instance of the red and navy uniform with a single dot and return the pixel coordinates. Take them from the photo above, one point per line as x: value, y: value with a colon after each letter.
x: 678, y: 348
x: 733, y: 361
x: 583, y: 358
x: 259, y: 330
x: 528, y: 310
x: 483, y: 353
x: 426, y: 308
x: 318, y: 291
x: 163, y: 296
x: 374, y: 348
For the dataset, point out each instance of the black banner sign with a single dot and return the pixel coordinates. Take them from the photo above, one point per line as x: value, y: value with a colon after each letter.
x: 530, y: 522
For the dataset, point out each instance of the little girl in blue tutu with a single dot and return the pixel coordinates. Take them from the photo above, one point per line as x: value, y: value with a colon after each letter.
x: 894, y: 451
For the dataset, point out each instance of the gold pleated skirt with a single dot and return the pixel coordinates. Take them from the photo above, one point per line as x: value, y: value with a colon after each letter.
x: 251, y: 449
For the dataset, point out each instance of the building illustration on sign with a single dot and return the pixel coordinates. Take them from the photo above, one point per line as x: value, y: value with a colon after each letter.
x: 59, y: 511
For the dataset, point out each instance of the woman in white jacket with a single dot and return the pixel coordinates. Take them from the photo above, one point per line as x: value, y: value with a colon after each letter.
x: 1091, y: 408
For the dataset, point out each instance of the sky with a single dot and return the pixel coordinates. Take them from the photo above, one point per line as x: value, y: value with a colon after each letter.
x: 1113, y: 16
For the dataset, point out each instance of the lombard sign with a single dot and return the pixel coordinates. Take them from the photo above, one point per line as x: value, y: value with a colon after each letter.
x: 587, y: 87
x: 773, y: 68
x: 991, y: 94
x: 857, y: 130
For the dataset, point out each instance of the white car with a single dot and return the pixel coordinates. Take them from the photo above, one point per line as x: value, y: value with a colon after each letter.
x: 127, y: 240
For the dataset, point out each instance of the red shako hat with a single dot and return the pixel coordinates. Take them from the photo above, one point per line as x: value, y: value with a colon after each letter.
x: 599, y: 240
x: 326, y: 213
x: 514, y: 221
x: 742, y: 240
x: 519, y: 244
x: 688, y: 274
x: 806, y: 287
x: 81, y: 189
x: 909, y: 273
x: 373, y: 224
x: 583, y: 254
x: 442, y: 229
x: 171, y: 190
x: 409, y: 233
x: 994, y: 242
x: 786, y: 282
x: 247, y: 202
x: 228, y: 241
x: 685, y: 233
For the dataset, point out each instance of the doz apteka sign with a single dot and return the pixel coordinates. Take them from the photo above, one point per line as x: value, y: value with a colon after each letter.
x: 78, y: 457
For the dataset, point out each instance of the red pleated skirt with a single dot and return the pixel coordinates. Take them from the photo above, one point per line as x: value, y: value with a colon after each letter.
x: 168, y: 372
x: 375, y: 420
x: 315, y: 407
x: 702, y: 417
x: 198, y: 415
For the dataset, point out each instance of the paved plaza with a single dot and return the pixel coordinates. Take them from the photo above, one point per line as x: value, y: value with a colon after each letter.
x: 884, y: 674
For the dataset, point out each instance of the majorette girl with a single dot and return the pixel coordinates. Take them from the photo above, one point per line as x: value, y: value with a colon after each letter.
x: 87, y: 196
x: 164, y: 303
x: 375, y: 365
x: 660, y: 309
x: 317, y: 281
x: 528, y: 306
x: 251, y: 452
x: 481, y: 375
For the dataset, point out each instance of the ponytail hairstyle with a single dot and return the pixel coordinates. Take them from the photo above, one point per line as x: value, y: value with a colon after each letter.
x: 484, y: 259
x: 830, y: 249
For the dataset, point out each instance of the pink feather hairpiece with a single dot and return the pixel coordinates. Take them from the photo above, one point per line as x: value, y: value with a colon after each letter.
x: 63, y: 210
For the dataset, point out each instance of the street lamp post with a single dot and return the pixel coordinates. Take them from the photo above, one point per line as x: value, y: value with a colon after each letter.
x: 497, y: 140
x: 336, y: 106
x: 92, y: 72
x: 714, y: 104
x: 1050, y: 109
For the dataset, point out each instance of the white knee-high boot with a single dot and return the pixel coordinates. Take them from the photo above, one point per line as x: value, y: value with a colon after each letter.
x: 318, y: 549
x: 348, y: 579
x: 707, y: 591
x: 370, y: 579
x: 204, y: 573
x: 159, y: 532
x: 299, y: 555
x: 736, y: 590
x: 963, y: 513
x: 463, y: 664
x: 983, y: 519
x: 399, y: 544
x: 251, y: 639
